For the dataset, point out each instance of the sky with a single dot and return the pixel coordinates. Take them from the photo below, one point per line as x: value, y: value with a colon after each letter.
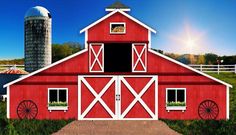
x: 183, y: 26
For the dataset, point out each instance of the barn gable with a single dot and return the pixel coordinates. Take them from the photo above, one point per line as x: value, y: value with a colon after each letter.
x: 121, y: 12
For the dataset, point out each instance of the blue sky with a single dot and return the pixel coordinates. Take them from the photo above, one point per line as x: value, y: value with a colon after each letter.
x: 184, y: 26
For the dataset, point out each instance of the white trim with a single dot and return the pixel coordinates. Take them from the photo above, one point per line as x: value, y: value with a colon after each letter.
x: 86, y: 39
x: 57, y: 108
x: 112, y: 9
x: 42, y: 69
x: 183, y: 108
x: 96, y: 59
x: 139, y: 60
x: 227, y: 103
x: 123, y: 13
x: 50, y: 108
x: 149, y: 39
x: 8, y: 102
x: 188, y: 67
x: 176, y: 108
x: 123, y: 23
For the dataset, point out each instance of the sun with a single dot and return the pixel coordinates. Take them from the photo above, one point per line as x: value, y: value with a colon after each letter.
x: 190, y: 43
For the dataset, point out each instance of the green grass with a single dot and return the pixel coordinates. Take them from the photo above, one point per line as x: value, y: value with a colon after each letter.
x: 210, y: 127
x: 28, y: 127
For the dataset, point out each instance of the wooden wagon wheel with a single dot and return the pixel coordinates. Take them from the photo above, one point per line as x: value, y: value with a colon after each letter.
x: 208, y: 109
x: 27, y: 109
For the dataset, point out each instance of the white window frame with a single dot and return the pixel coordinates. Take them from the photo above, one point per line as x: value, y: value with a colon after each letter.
x: 58, y: 108
x: 176, y: 108
x: 118, y: 23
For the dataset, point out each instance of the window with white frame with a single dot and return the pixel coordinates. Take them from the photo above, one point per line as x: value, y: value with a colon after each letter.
x: 57, y: 97
x: 117, y: 28
x: 176, y: 96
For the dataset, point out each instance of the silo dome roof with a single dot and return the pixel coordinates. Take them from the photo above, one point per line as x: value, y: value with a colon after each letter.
x: 37, y: 11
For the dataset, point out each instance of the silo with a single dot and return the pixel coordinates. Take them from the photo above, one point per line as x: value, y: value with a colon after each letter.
x: 38, y: 24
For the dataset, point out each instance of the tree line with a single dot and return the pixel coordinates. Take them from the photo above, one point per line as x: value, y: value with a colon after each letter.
x: 207, y: 58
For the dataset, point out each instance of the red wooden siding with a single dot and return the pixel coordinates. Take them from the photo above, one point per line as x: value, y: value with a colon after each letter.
x: 134, y: 31
x: 39, y: 95
x: 195, y: 94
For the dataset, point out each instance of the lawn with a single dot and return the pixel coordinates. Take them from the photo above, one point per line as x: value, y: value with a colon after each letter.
x: 28, y: 127
x: 211, y: 127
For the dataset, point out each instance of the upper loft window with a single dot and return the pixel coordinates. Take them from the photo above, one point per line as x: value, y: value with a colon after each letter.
x: 117, y: 28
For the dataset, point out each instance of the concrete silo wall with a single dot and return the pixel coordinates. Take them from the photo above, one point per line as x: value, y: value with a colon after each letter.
x: 37, y: 43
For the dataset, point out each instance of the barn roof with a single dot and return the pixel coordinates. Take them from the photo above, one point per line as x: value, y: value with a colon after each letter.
x: 123, y: 13
x: 150, y: 50
x: 14, y: 70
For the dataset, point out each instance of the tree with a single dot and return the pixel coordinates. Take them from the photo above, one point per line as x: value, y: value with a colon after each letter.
x: 60, y: 51
x: 211, y: 58
x: 201, y: 59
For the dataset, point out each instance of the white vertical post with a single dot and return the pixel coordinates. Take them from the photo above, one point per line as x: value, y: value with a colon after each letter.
x: 235, y: 68
x: 200, y: 67
x: 8, y: 102
x: 218, y: 69
x: 227, y: 102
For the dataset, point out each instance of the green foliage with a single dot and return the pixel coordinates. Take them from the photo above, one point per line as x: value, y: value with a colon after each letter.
x: 211, y: 58
x: 211, y: 127
x: 176, y: 103
x: 60, y: 51
x: 57, y: 103
x: 12, y: 62
x: 28, y: 127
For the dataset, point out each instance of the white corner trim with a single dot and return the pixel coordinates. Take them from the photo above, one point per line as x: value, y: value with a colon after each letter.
x: 123, y: 13
x: 42, y: 69
x: 8, y: 102
x: 149, y: 39
x: 86, y: 40
x: 188, y: 67
x: 227, y: 102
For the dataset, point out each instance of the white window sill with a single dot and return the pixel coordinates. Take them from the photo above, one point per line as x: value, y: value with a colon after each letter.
x: 58, y: 108
x: 176, y: 108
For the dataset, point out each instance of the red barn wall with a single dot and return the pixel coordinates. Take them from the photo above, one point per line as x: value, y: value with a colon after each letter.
x: 198, y: 88
x: 134, y: 31
x: 39, y: 95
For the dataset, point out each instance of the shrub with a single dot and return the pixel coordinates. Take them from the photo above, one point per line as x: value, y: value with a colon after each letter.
x: 57, y: 103
x: 175, y: 103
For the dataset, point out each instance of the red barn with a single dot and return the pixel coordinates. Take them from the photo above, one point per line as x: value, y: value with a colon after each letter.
x: 118, y: 77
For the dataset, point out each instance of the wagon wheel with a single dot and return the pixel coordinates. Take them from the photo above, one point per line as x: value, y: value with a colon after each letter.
x: 27, y: 109
x: 208, y: 109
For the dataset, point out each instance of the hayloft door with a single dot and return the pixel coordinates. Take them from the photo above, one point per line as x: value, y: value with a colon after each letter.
x: 96, y: 57
x: 139, y: 57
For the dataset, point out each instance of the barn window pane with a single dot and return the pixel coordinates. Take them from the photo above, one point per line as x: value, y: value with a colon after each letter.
x: 171, y: 96
x: 57, y: 97
x: 117, y: 28
x: 62, y: 95
x: 180, y: 95
x: 53, y: 96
